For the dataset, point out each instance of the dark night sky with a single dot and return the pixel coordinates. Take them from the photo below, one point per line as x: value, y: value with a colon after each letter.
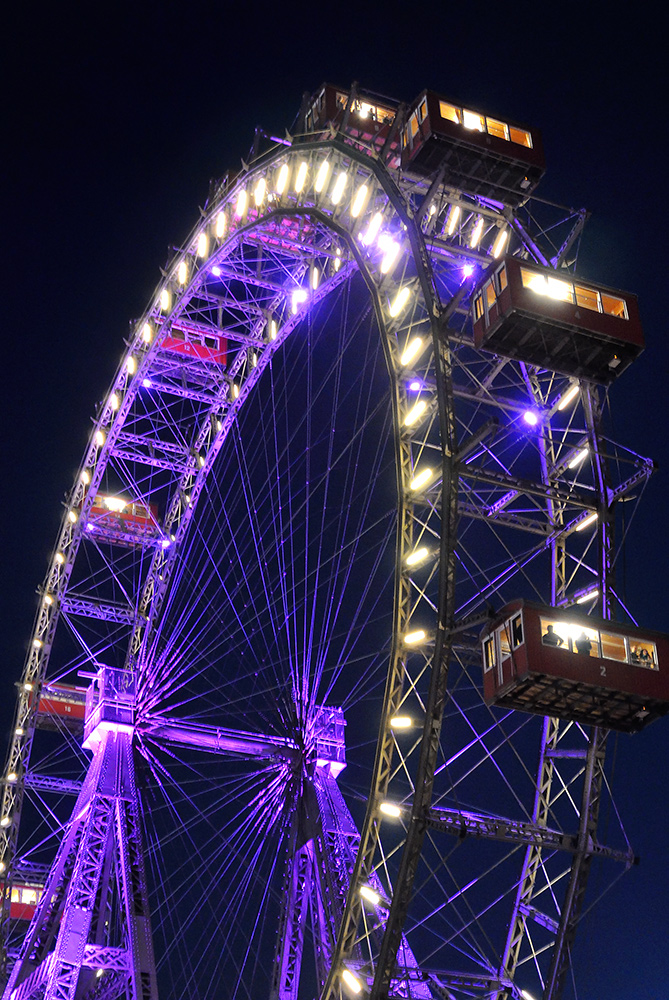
x: 116, y: 117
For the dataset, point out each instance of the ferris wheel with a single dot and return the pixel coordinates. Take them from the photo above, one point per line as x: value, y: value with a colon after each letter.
x: 253, y: 755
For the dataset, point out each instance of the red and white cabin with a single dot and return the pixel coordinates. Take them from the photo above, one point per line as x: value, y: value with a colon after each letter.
x: 370, y: 119
x: 556, y: 661
x: 193, y: 342
x: 125, y: 521
x: 61, y: 705
x: 24, y: 899
x: 556, y: 321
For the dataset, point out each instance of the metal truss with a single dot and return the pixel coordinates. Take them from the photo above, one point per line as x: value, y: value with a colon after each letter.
x: 479, y: 871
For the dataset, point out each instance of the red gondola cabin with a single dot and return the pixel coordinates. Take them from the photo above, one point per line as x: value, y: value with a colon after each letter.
x: 369, y: 120
x: 555, y: 320
x: 126, y: 522
x: 24, y: 899
x: 555, y: 661
x: 485, y: 156
x: 61, y: 705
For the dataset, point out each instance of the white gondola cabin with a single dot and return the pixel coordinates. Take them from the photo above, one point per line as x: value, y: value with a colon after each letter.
x: 557, y: 662
x: 557, y: 321
x: 486, y: 156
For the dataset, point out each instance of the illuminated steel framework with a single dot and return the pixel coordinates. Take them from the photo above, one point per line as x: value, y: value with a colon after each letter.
x: 302, y: 496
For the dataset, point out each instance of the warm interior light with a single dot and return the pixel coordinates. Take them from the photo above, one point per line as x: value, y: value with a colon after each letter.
x: 401, y: 722
x: 370, y: 235
x: 417, y: 556
x: 367, y: 893
x: 413, y: 638
x: 259, y: 192
x: 115, y: 503
x: 588, y: 520
x: 415, y: 412
x: 477, y: 233
x: 301, y: 176
x: 182, y: 272
x: 570, y: 394
x: 322, y: 176
x: 421, y: 478
x: 202, y: 245
x: 388, y: 809
x: 578, y: 458
x: 282, y: 179
x: 412, y: 350
x: 359, y: 200
x: 472, y: 120
x: 499, y: 245
x: 338, y: 189
x: 351, y: 981
x: 400, y: 300
x: 221, y: 224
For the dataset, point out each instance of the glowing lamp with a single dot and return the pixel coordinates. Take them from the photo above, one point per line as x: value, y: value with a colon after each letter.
x: 590, y: 596
x: 413, y: 638
x: 401, y: 722
x: 531, y: 417
x: 202, y: 245
x: 259, y: 192
x: 388, y: 809
x: 182, y: 272
x: 372, y: 230
x: 221, y: 223
x: 322, y: 176
x: 164, y: 299
x: 338, y: 189
x: 499, y: 245
x: 590, y: 519
x: 477, y: 233
x: 412, y: 350
x: 468, y: 270
x: 147, y: 333
x: 570, y: 394
x: 421, y: 479
x: 415, y: 413
x: 400, y: 301
x: 578, y: 458
x: 417, y: 556
x: 367, y: 893
x: 353, y: 983
x: 282, y: 179
x: 453, y: 219
x: 359, y: 200
x: 301, y: 176
x: 240, y: 206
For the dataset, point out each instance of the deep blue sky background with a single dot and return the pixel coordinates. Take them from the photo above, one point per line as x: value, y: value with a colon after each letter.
x: 115, y: 118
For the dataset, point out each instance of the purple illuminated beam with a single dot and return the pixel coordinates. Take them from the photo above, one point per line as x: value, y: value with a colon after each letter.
x: 215, y: 739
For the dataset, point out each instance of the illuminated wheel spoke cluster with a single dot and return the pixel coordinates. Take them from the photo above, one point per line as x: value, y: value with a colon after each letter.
x: 305, y: 492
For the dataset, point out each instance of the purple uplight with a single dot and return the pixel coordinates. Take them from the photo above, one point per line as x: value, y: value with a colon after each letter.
x: 414, y: 386
x: 165, y: 542
x: 216, y: 271
x: 531, y: 417
x: 468, y: 270
x: 146, y: 382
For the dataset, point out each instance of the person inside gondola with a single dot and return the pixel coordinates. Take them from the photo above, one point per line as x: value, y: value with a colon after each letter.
x: 551, y: 638
x: 583, y: 644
